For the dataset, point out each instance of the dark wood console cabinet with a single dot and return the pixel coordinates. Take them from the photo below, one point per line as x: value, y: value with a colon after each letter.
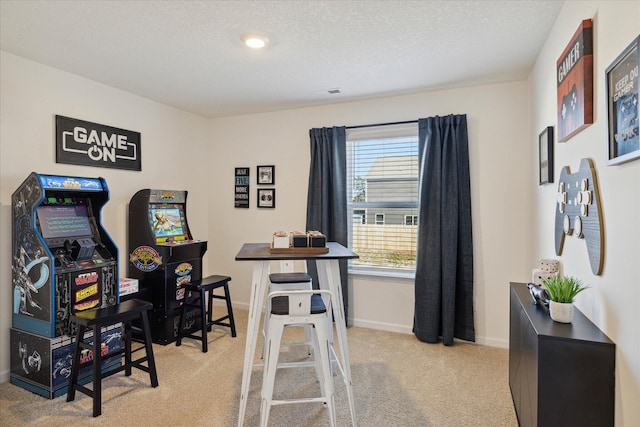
x: 559, y: 374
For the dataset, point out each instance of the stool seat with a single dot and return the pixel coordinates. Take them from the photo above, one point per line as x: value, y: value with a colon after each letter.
x: 204, y: 290
x: 96, y: 319
x: 295, y: 277
x: 124, y: 311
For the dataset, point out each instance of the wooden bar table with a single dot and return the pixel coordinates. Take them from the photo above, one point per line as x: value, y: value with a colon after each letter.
x: 328, y: 277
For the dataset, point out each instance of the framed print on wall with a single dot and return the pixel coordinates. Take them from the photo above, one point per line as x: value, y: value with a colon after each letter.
x: 267, y: 198
x: 622, y: 106
x: 574, y: 79
x: 242, y: 188
x: 545, y: 155
x: 266, y: 175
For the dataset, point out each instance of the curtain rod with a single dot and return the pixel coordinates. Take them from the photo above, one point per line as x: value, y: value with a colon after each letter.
x: 381, y: 124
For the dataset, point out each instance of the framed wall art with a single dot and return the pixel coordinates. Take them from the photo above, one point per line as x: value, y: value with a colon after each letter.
x: 622, y: 106
x: 267, y: 198
x: 545, y: 155
x: 574, y: 79
x: 241, y: 188
x: 266, y: 175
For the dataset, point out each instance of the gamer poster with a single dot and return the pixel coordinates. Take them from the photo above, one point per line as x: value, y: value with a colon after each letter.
x: 622, y: 96
x: 574, y: 72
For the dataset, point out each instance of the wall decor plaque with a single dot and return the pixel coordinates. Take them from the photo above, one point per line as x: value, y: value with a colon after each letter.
x: 574, y: 78
x: 79, y: 142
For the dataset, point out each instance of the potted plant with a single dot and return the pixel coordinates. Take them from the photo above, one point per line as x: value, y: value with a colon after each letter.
x: 562, y: 292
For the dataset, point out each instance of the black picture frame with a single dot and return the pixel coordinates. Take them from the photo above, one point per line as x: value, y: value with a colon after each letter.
x: 241, y: 188
x: 267, y: 198
x: 622, y: 105
x: 545, y: 156
x: 266, y: 175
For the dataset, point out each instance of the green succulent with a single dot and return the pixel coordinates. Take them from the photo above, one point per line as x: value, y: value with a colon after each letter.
x: 563, y: 289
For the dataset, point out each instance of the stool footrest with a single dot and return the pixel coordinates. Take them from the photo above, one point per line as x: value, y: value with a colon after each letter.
x: 84, y: 390
x: 305, y: 400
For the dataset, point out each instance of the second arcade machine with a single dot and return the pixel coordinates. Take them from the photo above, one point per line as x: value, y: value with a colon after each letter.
x: 163, y: 256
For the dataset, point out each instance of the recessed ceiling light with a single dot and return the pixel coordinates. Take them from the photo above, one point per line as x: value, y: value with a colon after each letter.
x: 254, y: 40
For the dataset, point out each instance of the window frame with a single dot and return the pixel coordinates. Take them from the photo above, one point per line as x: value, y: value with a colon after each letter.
x: 414, y: 219
x: 406, y: 136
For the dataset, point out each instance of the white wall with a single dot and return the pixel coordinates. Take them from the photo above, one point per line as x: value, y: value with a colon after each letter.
x: 172, y: 143
x: 613, y: 301
x: 501, y: 165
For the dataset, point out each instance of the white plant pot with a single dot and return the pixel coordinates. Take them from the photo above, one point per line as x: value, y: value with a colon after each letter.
x: 561, y: 312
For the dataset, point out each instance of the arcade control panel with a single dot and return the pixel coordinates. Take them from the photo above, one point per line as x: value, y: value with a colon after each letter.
x: 79, y: 254
x: 177, y: 242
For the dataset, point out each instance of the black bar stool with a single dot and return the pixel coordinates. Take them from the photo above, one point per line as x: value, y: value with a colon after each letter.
x: 124, y: 312
x: 202, y: 287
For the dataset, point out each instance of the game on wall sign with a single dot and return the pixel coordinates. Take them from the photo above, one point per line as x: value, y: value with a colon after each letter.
x: 92, y: 144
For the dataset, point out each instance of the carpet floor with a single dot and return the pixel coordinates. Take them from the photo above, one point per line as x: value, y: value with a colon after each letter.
x: 397, y: 381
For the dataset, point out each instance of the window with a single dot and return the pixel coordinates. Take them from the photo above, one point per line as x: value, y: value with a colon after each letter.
x: 359, y: 216
x: 382, y: 179
x: 411, y: 220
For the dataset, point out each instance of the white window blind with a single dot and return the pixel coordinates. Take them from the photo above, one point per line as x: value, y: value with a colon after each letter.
x: 382, y: 179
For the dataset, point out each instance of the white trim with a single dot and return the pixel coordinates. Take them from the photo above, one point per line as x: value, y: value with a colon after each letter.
x: 374, y: 271
x: 403, y: 329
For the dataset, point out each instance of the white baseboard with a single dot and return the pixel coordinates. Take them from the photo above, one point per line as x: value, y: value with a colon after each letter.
x: 403, y: 329
x: 381, y: 326
x: 4, y: 377
x: 493, y: 342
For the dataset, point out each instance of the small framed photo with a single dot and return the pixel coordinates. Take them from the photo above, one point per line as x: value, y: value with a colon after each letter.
x: 266, y: 175
x: 545, y: 154
x: 267, y: 198
x: 622, y: 106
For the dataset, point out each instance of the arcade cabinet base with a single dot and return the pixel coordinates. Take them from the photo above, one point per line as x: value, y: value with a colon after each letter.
x: 165, y: 324
x: 43, y: 365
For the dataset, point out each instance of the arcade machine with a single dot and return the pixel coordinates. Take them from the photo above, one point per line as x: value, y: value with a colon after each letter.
x: 63, y: 262
x: 163, y: 256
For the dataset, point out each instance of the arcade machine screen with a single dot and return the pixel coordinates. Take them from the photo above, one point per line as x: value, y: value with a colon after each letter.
x: 59, y: 222
x: 167, y: 224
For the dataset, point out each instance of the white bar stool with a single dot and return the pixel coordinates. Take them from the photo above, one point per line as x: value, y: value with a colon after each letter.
x: 302, y: 307
x: 286, y: 280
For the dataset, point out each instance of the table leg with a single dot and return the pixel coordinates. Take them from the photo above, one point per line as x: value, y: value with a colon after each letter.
x: 329, y: 278
x: 258, y: 286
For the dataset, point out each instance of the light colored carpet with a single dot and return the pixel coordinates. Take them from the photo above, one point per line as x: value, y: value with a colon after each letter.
x: 398, y: 381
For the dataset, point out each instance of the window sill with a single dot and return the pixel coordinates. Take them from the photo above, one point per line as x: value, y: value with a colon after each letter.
x: 382, y: 272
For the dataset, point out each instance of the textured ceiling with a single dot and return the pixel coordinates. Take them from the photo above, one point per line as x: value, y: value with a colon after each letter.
x: 188, y: 54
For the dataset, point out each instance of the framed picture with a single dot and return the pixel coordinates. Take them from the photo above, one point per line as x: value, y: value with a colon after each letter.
x: 574, y: 78
x: 622, y: 106
x: 266, y: 175
x: 545, y: 154
x: 242, y: 188
x: 267, y: 198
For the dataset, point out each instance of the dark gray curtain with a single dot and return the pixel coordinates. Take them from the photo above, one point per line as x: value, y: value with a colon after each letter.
x: 444, y: 264
x: 327, y: 198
